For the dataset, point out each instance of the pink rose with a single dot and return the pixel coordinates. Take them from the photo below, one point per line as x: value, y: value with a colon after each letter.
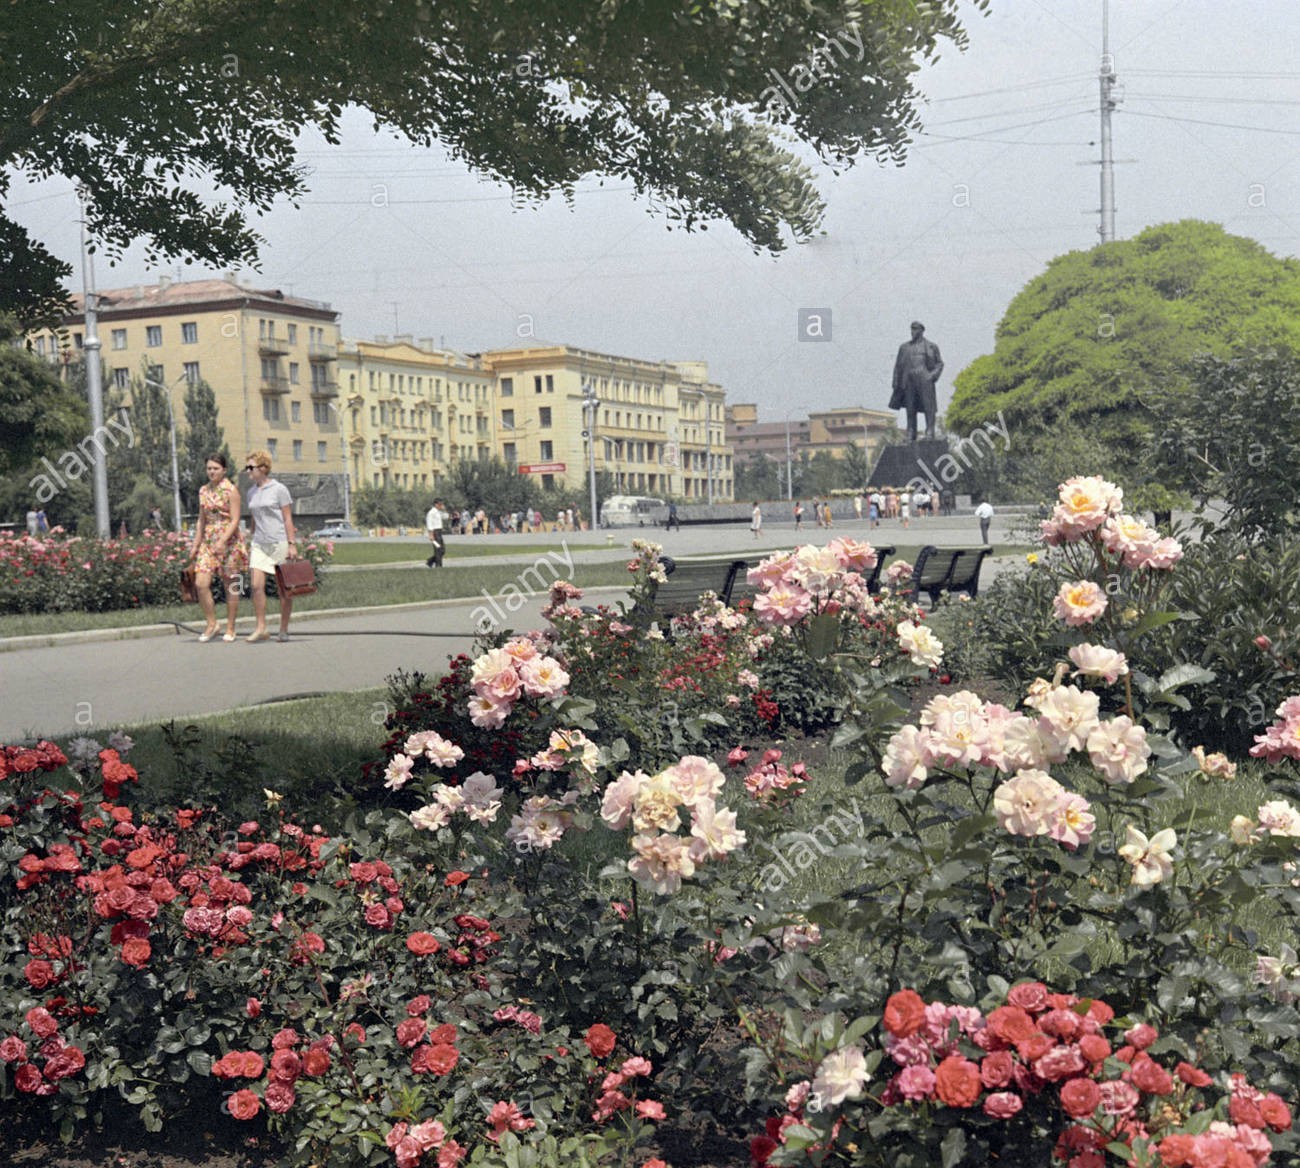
x: 1003, y: 1105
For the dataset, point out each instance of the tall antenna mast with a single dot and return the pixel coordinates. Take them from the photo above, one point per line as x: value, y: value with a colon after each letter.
x: 1108, y: 102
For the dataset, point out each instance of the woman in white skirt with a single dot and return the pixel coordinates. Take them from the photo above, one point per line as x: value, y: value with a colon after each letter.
x: 756, y: 520
x: 271, y: 539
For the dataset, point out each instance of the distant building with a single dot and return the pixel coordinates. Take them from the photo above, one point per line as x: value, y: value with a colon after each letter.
x: 413, y: 409
x: 660, y: 425
x: 269, y: 358
x: 828, y: 430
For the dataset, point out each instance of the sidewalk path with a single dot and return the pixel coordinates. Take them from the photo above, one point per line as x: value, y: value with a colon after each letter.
x: 67, y: 688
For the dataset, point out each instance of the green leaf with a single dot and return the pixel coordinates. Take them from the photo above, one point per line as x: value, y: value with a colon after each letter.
x: 953, y: 1147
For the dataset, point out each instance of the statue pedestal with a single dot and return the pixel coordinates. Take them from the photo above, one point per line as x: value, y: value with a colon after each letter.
x: 898, y: 466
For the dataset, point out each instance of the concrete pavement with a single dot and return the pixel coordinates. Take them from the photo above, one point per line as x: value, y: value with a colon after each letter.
x: 84, y: 681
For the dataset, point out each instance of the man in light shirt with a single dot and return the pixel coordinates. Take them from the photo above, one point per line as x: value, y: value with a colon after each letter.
x: 433, y: 528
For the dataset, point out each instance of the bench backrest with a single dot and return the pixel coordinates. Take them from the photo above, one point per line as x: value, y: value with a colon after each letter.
x: 686, y: 583
x: 873, y: 576
x: 965, y: 574
x: 947, y: 570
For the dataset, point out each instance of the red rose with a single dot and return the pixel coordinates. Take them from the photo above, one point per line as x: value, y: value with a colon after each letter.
x: 1011, y: 1024
x: 248, y: 1063
x: 411, y: 1031
x: 957, y: 1082
x: 419, y: 1005
x: 378, y: 917
x: 996, y: 1068
x: 760, y: 1149
x: 13, y: 1050
x: 1275, y: 1112
x: 252, y: 1007
x: 66, y: 1063
x: 437, y: 1060
x: 904, y: 1013
x: 286, y: 1066
x: 1003, y: 1105
x: 600, y: 1040
x: 1094, y: 1048
x: 444, y: 1035
x: 243, y: 1105
x: 1080, y: 1097
x: 136, y: 952
x: 27, y: 1078
x: 1192, y: 1076
x: 1141, y: 1036
x: 454, y: 878
x: 1029, y: 995
x: 423, y: 944
x: 1243, y: 1109
x: 1176, y: 1151
x: 279, y: 1096
x: 1151, y: 1078
x: 41, y: 1022
x: 39, y: 973
x: 1034, y: 1047
x: 315, y: 1061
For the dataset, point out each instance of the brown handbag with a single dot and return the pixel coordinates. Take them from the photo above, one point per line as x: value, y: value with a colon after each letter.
x: 295, y: 578
x: 189, y: 591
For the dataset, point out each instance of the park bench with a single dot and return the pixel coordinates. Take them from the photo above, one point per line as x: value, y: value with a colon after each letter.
x: 686, y: 582
x: 940, y: 570
x: 743, y: 590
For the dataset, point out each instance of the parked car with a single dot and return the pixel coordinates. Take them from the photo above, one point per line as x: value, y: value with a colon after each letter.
x: 336, y: 529
x: 633, y: 511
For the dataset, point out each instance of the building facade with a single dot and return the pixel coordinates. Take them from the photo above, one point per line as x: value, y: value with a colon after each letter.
x: 659, y: 426
x: 413, y: 410
x: 270, y: 359
x: 828, y: 430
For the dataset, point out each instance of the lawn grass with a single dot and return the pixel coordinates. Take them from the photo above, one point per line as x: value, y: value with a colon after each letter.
x: 348, y: 553
x: 346, y: 590
x: 310, y: 750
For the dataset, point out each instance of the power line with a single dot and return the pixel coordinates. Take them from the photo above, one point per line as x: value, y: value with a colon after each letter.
x: 1069, y: 79
x: 1220, y: 125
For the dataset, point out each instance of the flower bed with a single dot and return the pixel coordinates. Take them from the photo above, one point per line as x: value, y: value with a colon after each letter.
x: 60, y: 573
x: 568, y: 918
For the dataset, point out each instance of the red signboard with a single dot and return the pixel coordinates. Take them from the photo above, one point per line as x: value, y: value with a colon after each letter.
x: 542, y: 468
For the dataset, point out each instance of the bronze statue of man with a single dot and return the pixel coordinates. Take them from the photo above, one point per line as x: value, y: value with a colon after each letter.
x: 915, y: 371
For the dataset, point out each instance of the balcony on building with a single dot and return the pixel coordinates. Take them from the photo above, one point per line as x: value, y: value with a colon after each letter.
x: 275, y: 385
x: 324, y: 389
x: 272, y: 346
x: 321, y: 351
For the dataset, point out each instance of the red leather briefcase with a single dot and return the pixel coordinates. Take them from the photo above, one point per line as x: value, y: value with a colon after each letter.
x: 295, y: 578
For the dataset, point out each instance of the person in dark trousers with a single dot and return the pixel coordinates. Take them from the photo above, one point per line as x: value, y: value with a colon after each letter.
x: 433, y: 529
x: 673, y: 520
x: 984, y: 513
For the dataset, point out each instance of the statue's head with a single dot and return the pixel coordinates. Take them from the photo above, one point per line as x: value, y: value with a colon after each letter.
x: 917, y: 328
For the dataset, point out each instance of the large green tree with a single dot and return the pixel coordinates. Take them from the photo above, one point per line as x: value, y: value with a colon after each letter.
x: 693, y: 101
x: 40, y: 413
x: 1083, y: 350
x: 203, y: 436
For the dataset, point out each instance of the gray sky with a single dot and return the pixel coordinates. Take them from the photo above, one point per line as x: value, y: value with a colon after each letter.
x: 401, y: 239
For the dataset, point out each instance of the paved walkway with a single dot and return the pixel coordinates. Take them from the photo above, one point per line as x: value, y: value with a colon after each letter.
x: 85, y: 681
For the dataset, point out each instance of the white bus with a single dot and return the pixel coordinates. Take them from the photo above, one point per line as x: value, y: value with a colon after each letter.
x: 633, y: 511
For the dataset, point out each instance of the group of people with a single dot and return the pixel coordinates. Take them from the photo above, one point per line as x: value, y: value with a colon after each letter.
x: 37, y: 523
x: 219, y: 548
x: 821, y: 514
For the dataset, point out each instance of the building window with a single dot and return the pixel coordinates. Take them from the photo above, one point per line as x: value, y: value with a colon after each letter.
x: 508, y: 419
x: 293, y: 372
x: 293, y: 334
x: 548, y: 450
x: 270, y: 368
x: 374, y: 415
x: 155, y: 373
x: 271, y: 444
x: 507, y: 387
x: 550, y: 383
x: 295, y: 411
x: 321, y: 454
x: 537, y: 383
x: 548, y: 482
x: 119, y: 339
x: 270, y: 409
x: 121, y: 377
x: 192, y: 372
x: 509, y: 453
x: 320, y: 412
x: 189, y: 332
x: 544, y: 416
x: 153, y: 335
x: 297, y: 450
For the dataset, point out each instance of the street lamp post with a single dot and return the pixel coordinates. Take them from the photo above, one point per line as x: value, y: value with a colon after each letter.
x: 94, y: 381
x: 171, y: 427
x: 590, y: 404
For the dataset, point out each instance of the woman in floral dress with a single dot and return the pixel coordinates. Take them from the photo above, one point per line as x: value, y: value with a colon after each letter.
x: 218, y: 548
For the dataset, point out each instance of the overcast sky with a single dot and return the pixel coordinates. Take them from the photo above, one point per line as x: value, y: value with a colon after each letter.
x: 999, y: 183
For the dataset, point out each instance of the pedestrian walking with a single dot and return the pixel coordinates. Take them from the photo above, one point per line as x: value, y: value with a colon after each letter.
x: 218, y: 548
x: 857, y: 504
x: 798, y: 515
x: 984, y: 513
x: 270, y: 513
x: 33, y: 527
x: 673, y: 521
x: 433, y: 529
x: 756, y: 520
x: 905, y: 508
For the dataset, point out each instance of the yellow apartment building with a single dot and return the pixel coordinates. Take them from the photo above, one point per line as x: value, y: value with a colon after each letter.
x: 412, y: 410
x: 828, y: 430
x: 659, y: 425
x: 270, y: 359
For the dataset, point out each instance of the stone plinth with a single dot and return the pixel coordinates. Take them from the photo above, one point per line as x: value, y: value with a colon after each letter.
x: 898, y: 466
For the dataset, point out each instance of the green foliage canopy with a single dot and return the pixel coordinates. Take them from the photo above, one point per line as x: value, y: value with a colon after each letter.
x: 1084, y: 347
x: 695, y: 103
